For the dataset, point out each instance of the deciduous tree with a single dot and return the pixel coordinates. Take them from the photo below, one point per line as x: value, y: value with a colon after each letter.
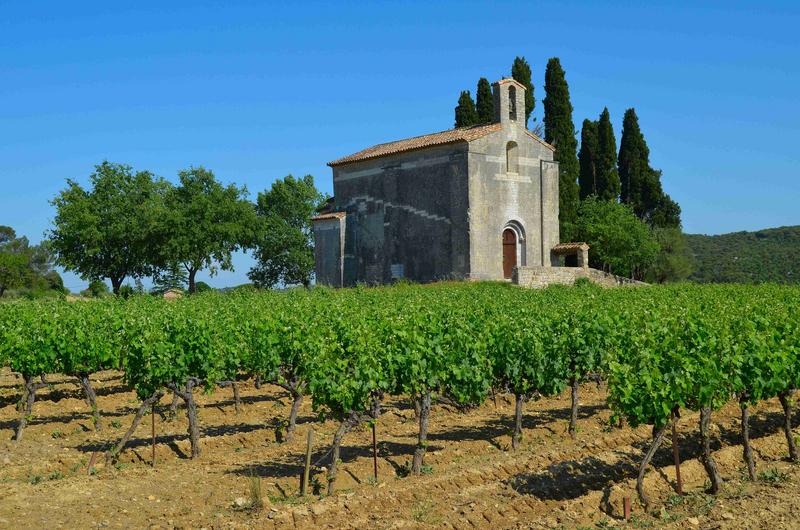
x: 109, y: 230
x: 620, y: 243
x: 207, y: 223
x: 284, y: 249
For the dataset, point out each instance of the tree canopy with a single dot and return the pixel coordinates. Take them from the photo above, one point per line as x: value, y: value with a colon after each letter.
x: 620, y: 243
x: 111, y: 230
x: 206, y: 223
x: 284, y: 248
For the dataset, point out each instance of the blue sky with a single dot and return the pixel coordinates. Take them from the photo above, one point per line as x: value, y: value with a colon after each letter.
x: 256, y: 91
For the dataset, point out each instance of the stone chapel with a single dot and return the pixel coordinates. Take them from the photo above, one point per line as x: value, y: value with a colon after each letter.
x: 468, y: 203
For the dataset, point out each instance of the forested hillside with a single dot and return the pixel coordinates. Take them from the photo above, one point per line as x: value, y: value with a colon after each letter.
x: 771, y: 255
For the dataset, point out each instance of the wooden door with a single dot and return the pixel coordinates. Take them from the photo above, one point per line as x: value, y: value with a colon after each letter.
x: 509, y: 252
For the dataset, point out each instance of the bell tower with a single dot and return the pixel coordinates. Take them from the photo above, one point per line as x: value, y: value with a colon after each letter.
x: 509, y: 102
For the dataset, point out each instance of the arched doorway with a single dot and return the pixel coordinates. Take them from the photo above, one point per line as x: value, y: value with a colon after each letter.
x: 509, y: 252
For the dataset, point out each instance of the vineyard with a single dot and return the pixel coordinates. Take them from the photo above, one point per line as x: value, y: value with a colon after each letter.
x: 663, y: 354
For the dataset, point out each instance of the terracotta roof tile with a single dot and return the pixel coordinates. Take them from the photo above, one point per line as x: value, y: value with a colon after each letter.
x: 463, y: 134
x: 569, y: 247
x: 331, y: 215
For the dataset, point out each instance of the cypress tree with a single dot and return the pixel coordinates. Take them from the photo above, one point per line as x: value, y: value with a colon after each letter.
x: 587, y: 157
x: 521, y: 72
x: 560, y: 132
x: 485, y: 105
x: 640, y: 183
x: 607, y: 175
x: 633, y: 162
x: 466, y: 115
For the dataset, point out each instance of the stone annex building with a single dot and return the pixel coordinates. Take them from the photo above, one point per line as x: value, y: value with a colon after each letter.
x: 468, y: 203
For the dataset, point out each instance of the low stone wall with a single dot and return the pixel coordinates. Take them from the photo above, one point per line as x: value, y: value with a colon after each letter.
x: 536, y: 277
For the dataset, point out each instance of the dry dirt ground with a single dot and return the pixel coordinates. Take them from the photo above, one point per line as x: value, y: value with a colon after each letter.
x: 471, y: 479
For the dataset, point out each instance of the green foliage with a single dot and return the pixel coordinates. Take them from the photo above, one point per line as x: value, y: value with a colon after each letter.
x: 96, y: 289
x: 174, y: 276
x: 485, y: 101
x: 202, y: 287
x: 521, y: 72
x: 205, y: 224
x: 559, y: 130
x: 674, y: 262
x: 588, y: 158
x: 747, y: 257
x: 284, y: 248
x: 660, y: 347
x: 109, y: 231
x: 466, y: 114
x: 640, y: 183
x: 620, y: 243
x: 27, y: 268
x: 608, y: 186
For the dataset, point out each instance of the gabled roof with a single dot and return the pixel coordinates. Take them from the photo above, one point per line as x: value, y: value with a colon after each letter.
x: 463, y: 134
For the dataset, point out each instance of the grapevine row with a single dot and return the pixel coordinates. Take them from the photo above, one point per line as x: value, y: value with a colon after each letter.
x: 661, y: 349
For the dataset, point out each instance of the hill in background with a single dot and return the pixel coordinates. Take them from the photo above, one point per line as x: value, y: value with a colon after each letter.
x: 771, y: 255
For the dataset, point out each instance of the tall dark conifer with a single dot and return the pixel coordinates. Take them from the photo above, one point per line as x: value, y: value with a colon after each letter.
x: 640, y: 183
x: 608, y: 185
x: 587, y: 157
x: 466, y: 115
x: 485, y: 104
x: 559, y: 130
x: 521, y: 72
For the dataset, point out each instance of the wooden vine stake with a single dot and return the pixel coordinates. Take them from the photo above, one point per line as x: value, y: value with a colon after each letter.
x: 676, y: 455
x: 307, y: 468
x: 626, y: 507
x: 374, y: 452
x: 153, y: 431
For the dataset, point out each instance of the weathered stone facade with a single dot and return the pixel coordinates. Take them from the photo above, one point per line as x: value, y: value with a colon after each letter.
x: 468, y: 203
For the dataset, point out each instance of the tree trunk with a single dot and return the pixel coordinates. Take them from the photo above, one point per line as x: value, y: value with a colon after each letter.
x: 116, y: 283
x: 28, y: 397
x: 257, y: 382
x: 515, y: 438
x: 422, y: 439
x: 786, y: 402
x: 192, y: 284
x: 417, y: 403
x: 705, y: 458
x: 91, y: 399
x: 658, y: 437
x: 747, y: 450
x: 297, y: 400
x: 114, y: 453
x: 573, y: 417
